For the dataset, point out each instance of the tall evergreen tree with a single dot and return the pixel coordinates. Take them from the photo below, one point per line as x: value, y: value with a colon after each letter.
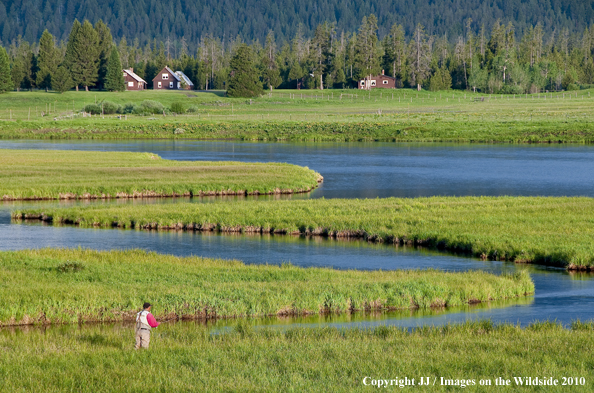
x: 114, y: 80
x: 244, y: 81
x: 47, y: 60
x: 366, y: 49
x: 270, y: 71
x: 104, y: 44
x: 82, y: 54
x: 420, y: 57
x: 5, y: 78
x: 61, y: 80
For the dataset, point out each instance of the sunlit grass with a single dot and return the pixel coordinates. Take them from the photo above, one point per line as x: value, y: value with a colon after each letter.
x: 333, y: 115
x: 187, y: 358
x: 545, y: 230
x: 45, y: 174
x: 62, y: 285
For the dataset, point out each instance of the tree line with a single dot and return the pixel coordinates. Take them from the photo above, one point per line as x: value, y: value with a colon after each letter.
x: 497, y: 60
x: 145, y: 20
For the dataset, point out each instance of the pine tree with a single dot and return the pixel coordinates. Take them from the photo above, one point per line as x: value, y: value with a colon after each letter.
x: 61, y: 80
x: 104, y: 44
x: 47, y: 60
x: 5, y: 78
x: 420, y: 57
x: 270, y: 71
x: 114, y: 79
x: 244, y: 81
x: 82, y: 54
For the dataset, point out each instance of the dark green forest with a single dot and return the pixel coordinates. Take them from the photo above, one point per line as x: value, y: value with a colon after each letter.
x: 496, y: 59
x: 145, y: 20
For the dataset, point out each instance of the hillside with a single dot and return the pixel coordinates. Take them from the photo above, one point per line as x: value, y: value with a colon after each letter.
x: 252, y: 19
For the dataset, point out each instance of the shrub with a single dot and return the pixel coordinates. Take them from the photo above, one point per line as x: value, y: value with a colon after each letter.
x: 129, y: 108
x: 177, y: 107
x: 152, y: 107
x: 192, y: 109
x: 93, y: 109
x: 109, y: 108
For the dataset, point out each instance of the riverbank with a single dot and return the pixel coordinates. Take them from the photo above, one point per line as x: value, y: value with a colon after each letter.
x: 47, y: 174
x: 53, y: 286
x: 424, y: 127
x: 185, y: 357
x: 543, y: 230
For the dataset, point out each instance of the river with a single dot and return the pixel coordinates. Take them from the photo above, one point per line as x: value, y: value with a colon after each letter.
x: 357, y: 170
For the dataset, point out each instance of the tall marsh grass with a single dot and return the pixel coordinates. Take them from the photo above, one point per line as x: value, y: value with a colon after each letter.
x: 48, y: 174
x: 67, y: 286
x: 187, y: 357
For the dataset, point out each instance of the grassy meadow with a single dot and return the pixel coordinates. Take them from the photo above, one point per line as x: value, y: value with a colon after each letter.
x: 308, y: 115
x: 47, y: 174
x: 186, y: 357
x: 69, y: 286
x: 543, y: 230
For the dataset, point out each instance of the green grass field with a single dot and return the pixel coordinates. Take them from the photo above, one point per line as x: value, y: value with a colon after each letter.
x: 331, y: 115
x: 186, y: 358
x: 543, y: 230
x: 49, y: 174
x: 69, y: 286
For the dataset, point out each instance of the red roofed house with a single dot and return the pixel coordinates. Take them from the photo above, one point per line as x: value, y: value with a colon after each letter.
x: 133, y: 81
x: 372, y: 82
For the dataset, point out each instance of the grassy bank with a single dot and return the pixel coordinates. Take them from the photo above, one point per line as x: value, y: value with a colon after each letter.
x: 339, y: 115
x: 550, y: 231
x: 60, y: 285
x: 187, y: 358
x: 44, y: 174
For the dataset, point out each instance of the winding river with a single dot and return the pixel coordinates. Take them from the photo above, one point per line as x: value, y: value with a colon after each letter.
x: 358, y: 170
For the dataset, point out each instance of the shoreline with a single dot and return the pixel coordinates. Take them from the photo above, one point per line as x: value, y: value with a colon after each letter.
x: 152, y: 194
x: 429, y: 243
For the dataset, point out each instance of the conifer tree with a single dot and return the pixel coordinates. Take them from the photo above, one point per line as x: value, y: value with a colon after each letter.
x: 47, y: 60
x: 61, y: 80
x: 5, y: 78
x: 114, y: 79
x: 82, y: 54
x: 104, y: 44
x: 244, y: 81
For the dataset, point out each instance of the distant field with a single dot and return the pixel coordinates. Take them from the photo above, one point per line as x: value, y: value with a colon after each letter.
x: 549, y: 231
x: 70, y: 286
x: 187, y: 357
x: 329, y: 115
x: 51, y: 174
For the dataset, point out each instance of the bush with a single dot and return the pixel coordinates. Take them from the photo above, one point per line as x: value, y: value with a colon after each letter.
x: 105, y: 107
x: 152, y: 107
x: 93, y: 109
x: 109, y: 108
x: 177, y: 107
x: 129, y: 108
x: 192, y: 109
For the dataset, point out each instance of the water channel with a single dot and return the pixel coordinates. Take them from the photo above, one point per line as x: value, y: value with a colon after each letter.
x: 357, y: 170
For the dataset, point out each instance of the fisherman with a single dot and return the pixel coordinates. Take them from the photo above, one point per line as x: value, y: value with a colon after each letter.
x: 145, y: 321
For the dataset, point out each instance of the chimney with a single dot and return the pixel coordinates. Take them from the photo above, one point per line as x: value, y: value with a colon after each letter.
x: 382, y: 72
x: 131, y: 69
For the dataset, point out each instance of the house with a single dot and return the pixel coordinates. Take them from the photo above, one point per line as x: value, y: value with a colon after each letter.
x: 382, y: 80
x: 133, y: 81
x: 186, y: 82
x: 166, y: 79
